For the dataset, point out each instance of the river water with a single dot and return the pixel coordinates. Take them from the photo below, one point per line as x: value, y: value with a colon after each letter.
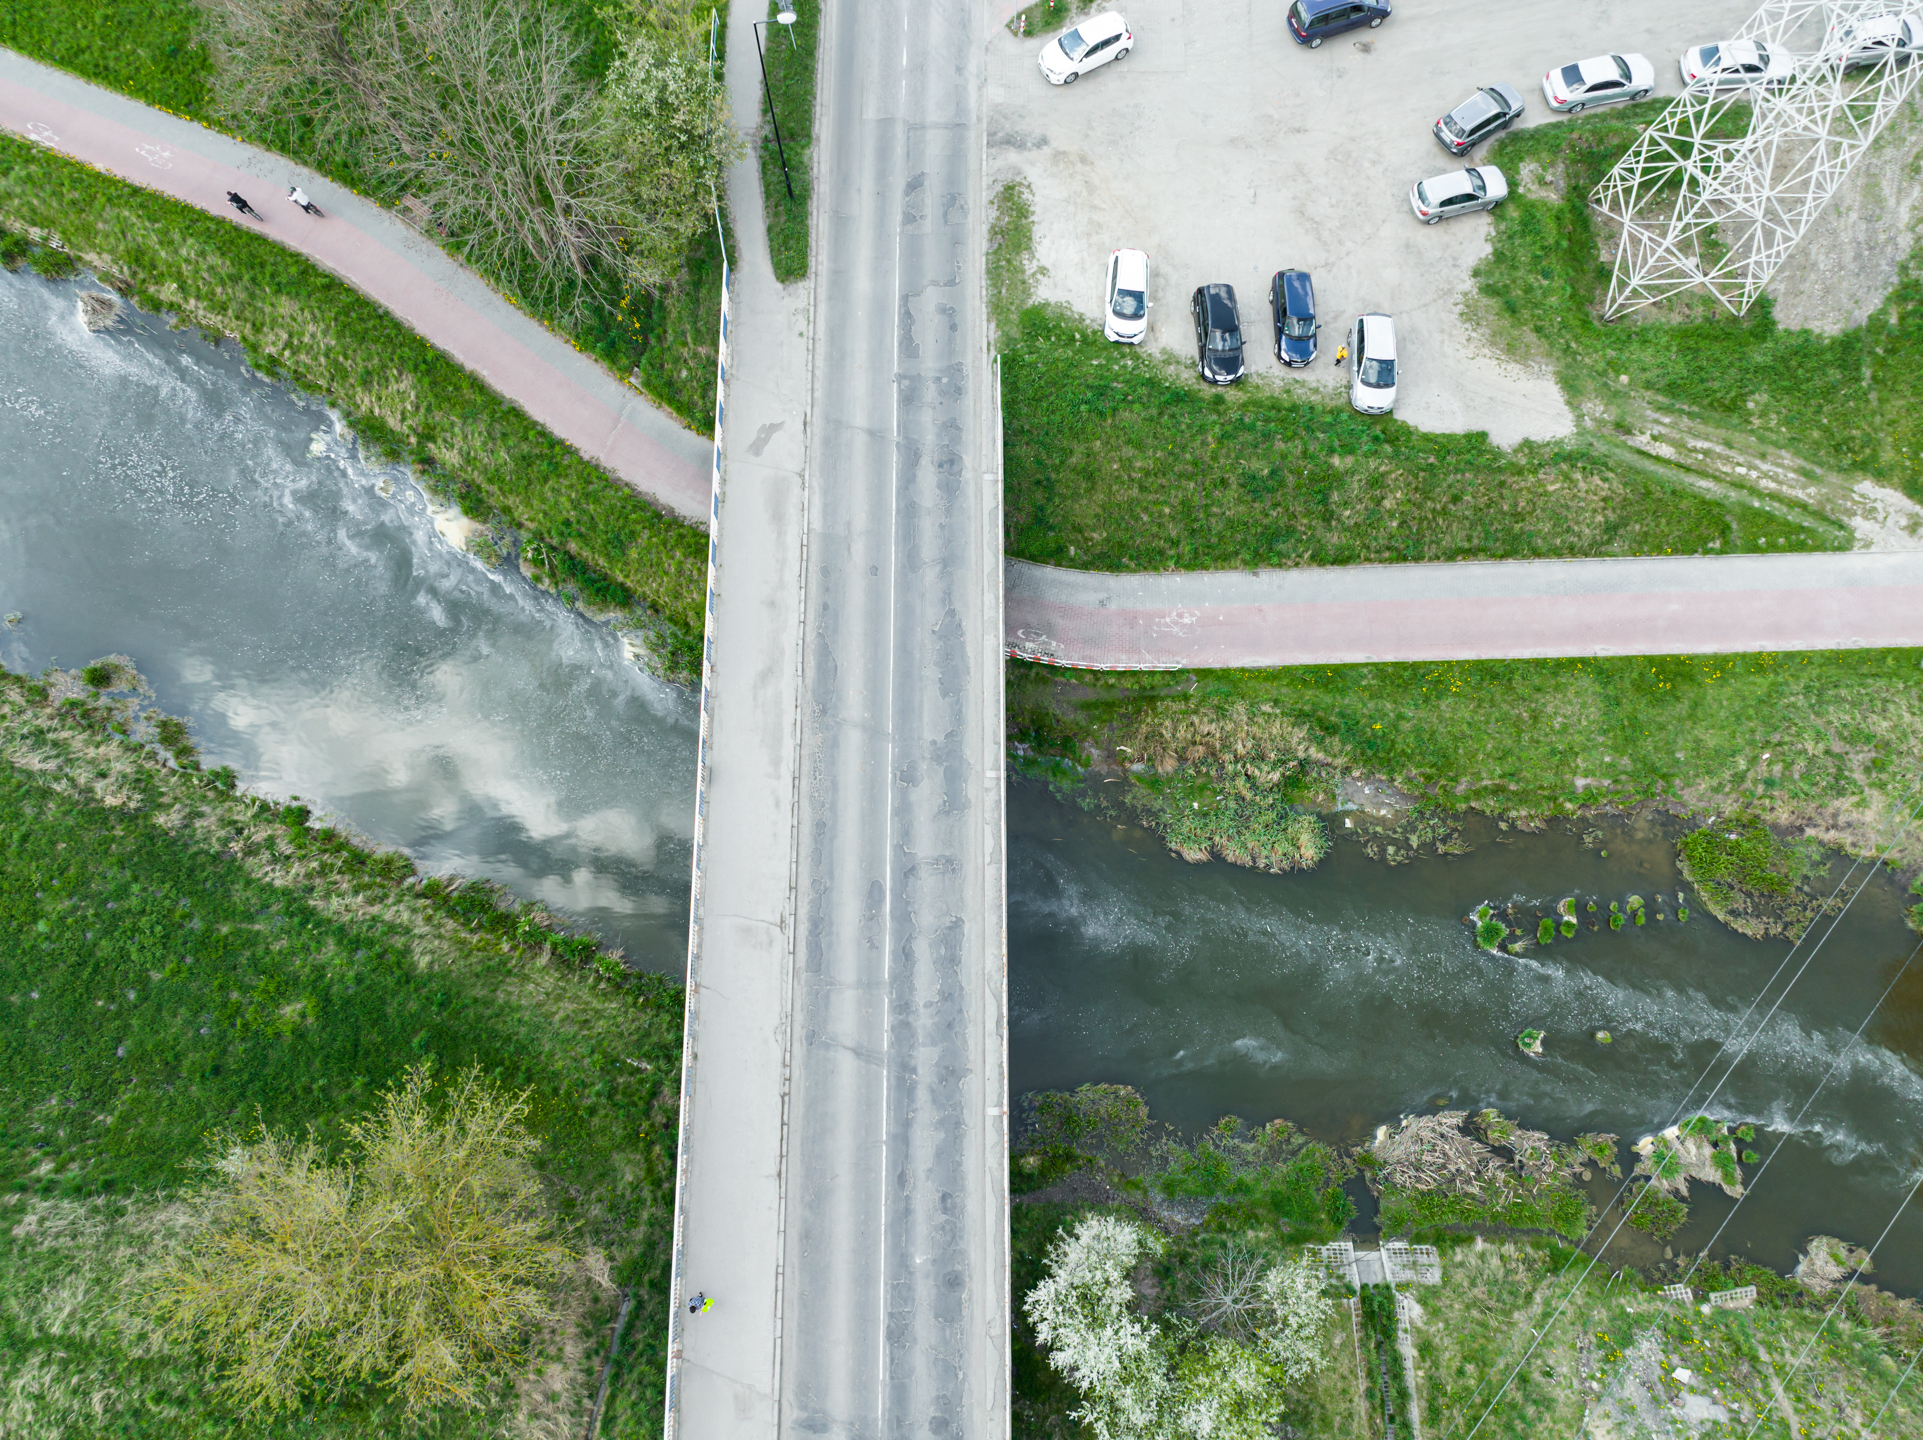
x: 159, y: 499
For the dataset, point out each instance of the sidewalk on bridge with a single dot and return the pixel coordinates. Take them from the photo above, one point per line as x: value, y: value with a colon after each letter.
x: 1475, y: 610
x: 722, y: 1364
x: 602, y: 416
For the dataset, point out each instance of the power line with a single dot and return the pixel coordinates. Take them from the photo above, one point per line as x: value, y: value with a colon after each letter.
x: 1537, y: 1337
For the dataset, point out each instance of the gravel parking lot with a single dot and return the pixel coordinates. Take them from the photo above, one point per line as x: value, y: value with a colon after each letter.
x: 1228, y: 152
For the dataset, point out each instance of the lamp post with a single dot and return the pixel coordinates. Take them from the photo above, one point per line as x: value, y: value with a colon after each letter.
x: 785, y: 18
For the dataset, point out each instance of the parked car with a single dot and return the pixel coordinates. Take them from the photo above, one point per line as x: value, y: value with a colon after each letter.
x: 1372, y: 361
x: 1733, y: 64
x: 1489, y: 111
x: 1895, y: 36
x: 1313, y: 21
x: 1091, y: 44
x: 1292, y: 303
x: 1480, y: 187
x: 1125, y: 300
x: 1574, y: 88
x: 1218, y: 334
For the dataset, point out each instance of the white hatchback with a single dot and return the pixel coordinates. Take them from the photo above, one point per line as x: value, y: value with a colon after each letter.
x: 1093, y: 43
x: 1735, y: 64
x: 1125, y: 298
x: 1372, y: 364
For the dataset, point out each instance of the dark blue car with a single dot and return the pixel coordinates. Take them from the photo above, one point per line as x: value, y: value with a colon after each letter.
x: 1292, y: 302
x: 1313, y: 21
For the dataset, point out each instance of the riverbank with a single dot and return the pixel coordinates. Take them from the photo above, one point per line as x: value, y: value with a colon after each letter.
x: 405, y: 399
x: 1787, y: 750
x: 184, y: 957
x: 1611, y: 1348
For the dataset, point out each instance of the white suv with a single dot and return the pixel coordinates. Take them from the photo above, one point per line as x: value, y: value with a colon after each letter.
x: 1372, y: 364
x: 1125, y: 298
x: 1093, y: 43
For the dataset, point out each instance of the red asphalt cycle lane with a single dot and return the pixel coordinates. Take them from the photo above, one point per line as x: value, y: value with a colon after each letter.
x: 368, y: 247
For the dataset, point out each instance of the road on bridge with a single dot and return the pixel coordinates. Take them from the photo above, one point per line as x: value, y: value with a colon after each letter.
x: 843, y: 1192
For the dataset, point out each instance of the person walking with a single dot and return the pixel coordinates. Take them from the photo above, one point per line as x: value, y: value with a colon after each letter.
x: 239, y: 202
x: 699, y: 1302
x: 299, y: 197
x: 1341, y: 354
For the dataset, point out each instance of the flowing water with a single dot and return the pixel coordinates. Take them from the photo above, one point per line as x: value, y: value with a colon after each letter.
x: 159, y: 499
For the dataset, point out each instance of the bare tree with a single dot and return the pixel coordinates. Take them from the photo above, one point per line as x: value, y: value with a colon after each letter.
x: 1232, y: 1298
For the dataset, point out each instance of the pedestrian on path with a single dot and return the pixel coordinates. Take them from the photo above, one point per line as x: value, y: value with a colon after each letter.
x: 299, y: 197
x: 1341, y: 354
x: 698, y: 1302
x: 239, y: 202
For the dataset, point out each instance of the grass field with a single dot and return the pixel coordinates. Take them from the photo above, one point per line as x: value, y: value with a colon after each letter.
x: 300, y: 324
x: 176, y: 959
x: 156, y: 53
x: 790, y: 54
x: 1118, y: 460
x: 1850, y: 401
x: 1843, y: 732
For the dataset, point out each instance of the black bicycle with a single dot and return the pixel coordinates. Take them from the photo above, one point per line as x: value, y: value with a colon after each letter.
x: 239, y: 202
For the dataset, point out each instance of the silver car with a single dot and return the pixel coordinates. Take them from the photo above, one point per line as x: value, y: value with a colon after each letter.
x: 1735, y: 65
x: 1598, y: 80
x: 1897, y: 36
x: 1480, y: 187
x: 1372, y: 359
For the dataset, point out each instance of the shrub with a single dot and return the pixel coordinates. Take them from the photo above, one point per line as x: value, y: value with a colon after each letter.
x: 1750, y: 1157
x: 100, y: 675
x: 1568, y: 927
x: 1545, y: 931
x: 1489, y: 933
x: 422, y: 1262
x: 1615, y: 919
x: 1656, y: 1212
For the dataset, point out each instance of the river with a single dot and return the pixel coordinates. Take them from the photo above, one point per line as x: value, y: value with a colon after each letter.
x: 298, y: 604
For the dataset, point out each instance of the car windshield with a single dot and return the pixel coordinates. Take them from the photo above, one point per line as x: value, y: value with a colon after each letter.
x: 1622, y: 68
x: 1298, y: 327
x: 1571, y: 79
x: 1377, y: 374
x: 1224, y: 341
x: 1904, y: 35
x: 1476, y: 183
x: 1130, y: 304
x: 1073, y: 44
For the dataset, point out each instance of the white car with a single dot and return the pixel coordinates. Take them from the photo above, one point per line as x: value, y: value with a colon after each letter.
x: 1372, y: 364
x: 1597, y: 81
x: 1895, y: 36
x: 1125, y: 299
x: 1734, y: 64
x: 1480, y: 187
x: 1093, y: 43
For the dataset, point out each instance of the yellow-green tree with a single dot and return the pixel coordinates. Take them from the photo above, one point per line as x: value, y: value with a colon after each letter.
x: 422, y: 1261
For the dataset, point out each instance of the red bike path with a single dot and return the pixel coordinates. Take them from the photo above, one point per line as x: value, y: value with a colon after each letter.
x: 602, y: 416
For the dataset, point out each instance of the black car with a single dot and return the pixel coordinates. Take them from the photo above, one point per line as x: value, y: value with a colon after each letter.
x: 1313, y: 21
x: 1218, y: 334
x: 1292, y: 303
x: 1489, y: 111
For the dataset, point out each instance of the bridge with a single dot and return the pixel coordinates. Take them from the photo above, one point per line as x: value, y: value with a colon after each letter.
x: 842, y: 1185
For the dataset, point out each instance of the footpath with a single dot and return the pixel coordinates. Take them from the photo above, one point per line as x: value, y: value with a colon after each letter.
x: 370, y: 248
x: 1476, y: 610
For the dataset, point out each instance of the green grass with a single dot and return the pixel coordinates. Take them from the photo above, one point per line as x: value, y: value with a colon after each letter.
x: 1118, y: 460
x: 300, y: 324
x: 178, y: 959
x: 156, y: 53
x: 1852, y: 401
x: 790, y: 54
x: 1561, y: 1211
x: 1843, y: 731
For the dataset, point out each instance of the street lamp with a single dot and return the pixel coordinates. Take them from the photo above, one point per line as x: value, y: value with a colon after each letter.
x: 785, y: 18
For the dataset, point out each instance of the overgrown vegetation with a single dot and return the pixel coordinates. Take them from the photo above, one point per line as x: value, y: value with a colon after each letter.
x: 181, y: 959
x: 1824, y: 741
x: 590, y: 203
x: 789, y: 52
x: 1485, y: 1171
x: 1012, y: 270
x: 1749, y: 878
x: 1852, y: 401
x: 405, y: 399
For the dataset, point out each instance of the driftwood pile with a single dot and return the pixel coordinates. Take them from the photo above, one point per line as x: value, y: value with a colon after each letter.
x: 1454, y: 1151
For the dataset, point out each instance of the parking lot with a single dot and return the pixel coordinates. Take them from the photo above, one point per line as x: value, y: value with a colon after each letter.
x: 1227, y: 152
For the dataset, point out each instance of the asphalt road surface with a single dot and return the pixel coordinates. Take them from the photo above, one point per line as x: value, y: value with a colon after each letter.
x: 894, y: 1311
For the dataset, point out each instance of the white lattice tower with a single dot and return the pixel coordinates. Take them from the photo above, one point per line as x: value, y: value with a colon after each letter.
x: 1721, y: 187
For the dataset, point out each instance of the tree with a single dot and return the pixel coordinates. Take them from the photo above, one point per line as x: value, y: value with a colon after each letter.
x: 1297, y: 1316
x: 422, y: 1262
x: 1083, y: 1318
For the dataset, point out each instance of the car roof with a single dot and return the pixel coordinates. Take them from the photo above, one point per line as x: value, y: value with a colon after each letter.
x: 1220, y: 299
x: 1598, y: 67
x: 1378, y: 337
x: 1100, y: 27
x: 1131, y: 268
x: 1298, y: 292
x: 1741, y: 51
x: 1441, y: 187
x: 1316, y: 7
x: 1508, y: 92
x: 1478, y: 107
x: 1876, y: 28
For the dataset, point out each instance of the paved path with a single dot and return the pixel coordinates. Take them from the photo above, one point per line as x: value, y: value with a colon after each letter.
x: 1484, y: 610
x: 600, y: 415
